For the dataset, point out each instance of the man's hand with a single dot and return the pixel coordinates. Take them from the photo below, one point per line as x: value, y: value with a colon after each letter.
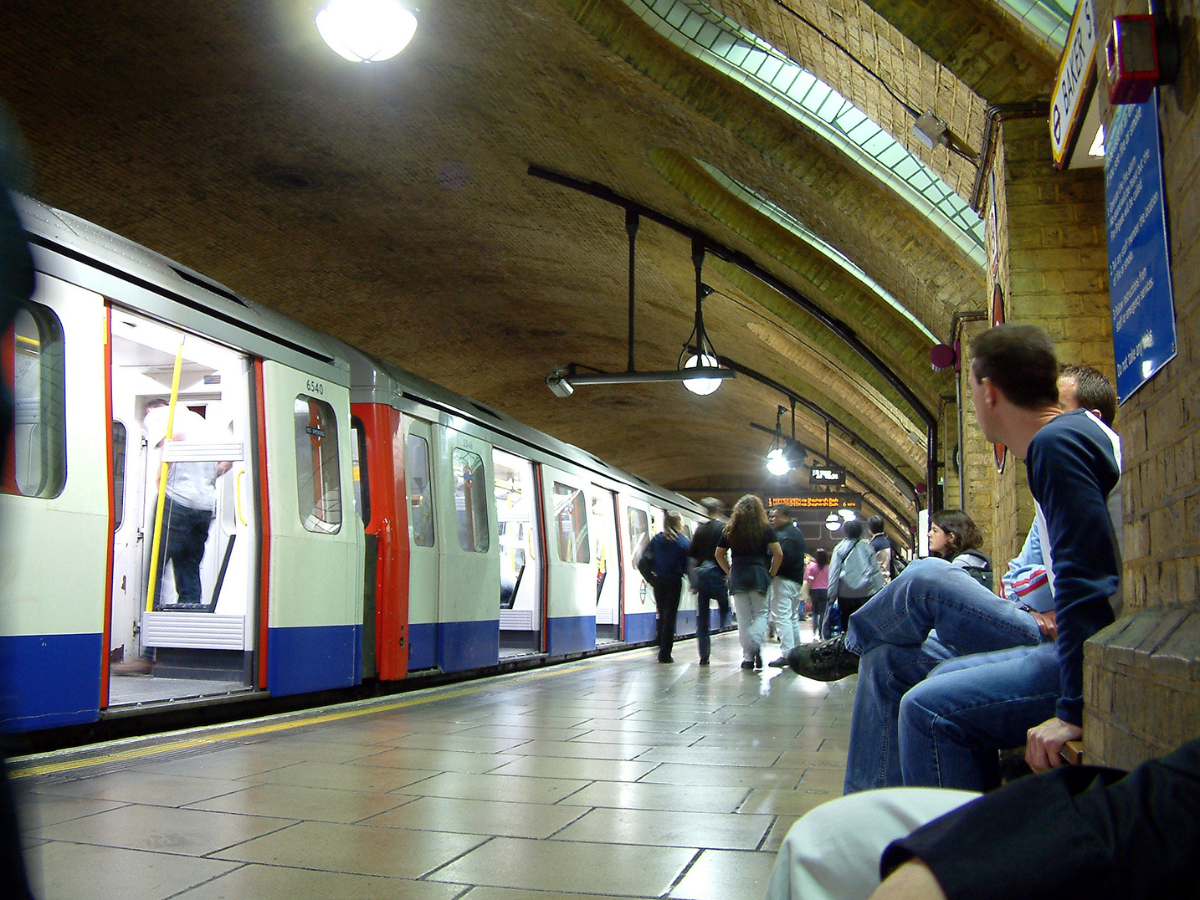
x: 1047, y: 623
x: 1044, y: 743
x: 912, y: 881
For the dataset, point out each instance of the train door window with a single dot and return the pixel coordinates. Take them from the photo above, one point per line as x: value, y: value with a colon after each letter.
x: 318, y: 479
x: 639, y: 527
x: 420, y: 497
x: 570, y: 512
x: 470, y: 500
x: 119, y: 438
x: 34, y: 365
x: 362, y: 485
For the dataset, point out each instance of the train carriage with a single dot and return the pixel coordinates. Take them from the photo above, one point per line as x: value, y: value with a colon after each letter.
x: 204, y: 490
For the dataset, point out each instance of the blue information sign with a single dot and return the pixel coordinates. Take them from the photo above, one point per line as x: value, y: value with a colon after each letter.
x: 1139, y: 264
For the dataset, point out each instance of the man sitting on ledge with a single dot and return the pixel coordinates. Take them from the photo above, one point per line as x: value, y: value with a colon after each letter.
x: 933, y: 711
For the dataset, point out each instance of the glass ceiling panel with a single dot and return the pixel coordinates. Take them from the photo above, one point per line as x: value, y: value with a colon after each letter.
x: 1049, y: 18
x: 786, y: 220
x: 748, y: 58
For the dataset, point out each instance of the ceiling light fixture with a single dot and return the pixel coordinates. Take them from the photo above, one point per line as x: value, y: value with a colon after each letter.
x: 700, y: 373
x: 784, y: 454
x: 706, y: 354
x: 366, y: 31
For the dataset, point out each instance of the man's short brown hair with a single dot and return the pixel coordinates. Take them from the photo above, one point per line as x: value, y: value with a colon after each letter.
x: 1020, y: 361
x: 1092, y: 391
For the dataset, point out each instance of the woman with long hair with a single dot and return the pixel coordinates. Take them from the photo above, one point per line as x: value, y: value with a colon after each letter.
x: 954, y: 537
x: 668, y: 551
x: 750, y: 556
x: 816, y: 576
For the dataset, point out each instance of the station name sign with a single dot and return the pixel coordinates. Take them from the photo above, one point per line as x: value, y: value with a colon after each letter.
x: 826, y: 475
x: 1076, y: 80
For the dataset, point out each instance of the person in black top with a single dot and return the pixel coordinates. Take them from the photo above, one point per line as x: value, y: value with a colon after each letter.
x: 785, y: 586
x: 669, y: 550
x: 756, y: 557
x: 706, y: 577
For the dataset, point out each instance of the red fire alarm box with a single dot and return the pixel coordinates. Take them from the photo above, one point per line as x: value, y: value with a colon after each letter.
x: 1132, y: 56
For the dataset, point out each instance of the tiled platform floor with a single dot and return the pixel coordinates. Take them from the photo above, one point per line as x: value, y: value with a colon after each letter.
x: 609, y: 777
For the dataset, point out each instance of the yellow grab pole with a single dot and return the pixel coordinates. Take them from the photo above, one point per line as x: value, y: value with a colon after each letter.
x: 162, y: 480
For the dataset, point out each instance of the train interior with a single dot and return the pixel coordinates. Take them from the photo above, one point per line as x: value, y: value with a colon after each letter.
x: 183, y: 606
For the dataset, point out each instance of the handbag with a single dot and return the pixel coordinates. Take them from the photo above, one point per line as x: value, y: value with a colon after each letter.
x: 645, y: 562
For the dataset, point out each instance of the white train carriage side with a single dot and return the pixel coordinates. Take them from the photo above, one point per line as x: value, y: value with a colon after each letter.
x: 470, y: 539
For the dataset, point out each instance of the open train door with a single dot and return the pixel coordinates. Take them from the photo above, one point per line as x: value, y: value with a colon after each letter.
x: 185, y: 560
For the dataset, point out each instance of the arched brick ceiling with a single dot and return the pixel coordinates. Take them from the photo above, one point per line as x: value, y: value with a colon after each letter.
x: 390, y: 205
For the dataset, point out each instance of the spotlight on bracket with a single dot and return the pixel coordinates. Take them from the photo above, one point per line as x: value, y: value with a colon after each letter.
x: 930, y: 131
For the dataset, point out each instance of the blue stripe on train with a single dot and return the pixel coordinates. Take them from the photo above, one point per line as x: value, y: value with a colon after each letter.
x: 422, y: 645
x: 570, y: 634
x: 312, y: 659
x: 641, y: 627
x: 468, y: 645
x: 49, y: 680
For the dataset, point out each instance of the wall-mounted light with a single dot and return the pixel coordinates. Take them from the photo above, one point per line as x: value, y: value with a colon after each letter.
x: 366, y: 30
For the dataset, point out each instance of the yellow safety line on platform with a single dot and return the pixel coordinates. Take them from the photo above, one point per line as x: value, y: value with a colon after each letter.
x: 251, y: 731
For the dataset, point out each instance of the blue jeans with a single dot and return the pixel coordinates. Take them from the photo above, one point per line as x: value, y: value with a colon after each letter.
x: 891, y: 635
x: 186, y: 533
x: 710, y: 585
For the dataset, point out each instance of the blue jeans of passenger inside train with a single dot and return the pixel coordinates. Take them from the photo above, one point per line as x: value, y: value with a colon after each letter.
x: 185, y: 534
x: 935, y: 612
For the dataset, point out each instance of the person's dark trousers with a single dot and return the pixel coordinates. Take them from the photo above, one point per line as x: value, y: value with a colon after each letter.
x: 187, y: 533
x: 710, y: 585
x: 12, y: 865
x: 819, y: 597
x: 666, y: 598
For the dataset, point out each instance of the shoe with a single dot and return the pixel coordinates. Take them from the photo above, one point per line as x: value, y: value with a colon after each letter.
x: 758, y: 660
x: 704, y: 662
x: 666, y: 659
x: 824, y: 660
x: 780, y: 663
x: 747, y: 664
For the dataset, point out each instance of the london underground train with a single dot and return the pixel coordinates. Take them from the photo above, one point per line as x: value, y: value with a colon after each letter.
x: 327, y: 519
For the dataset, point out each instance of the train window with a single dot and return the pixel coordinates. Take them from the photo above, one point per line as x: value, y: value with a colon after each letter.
x: 118, y: 445
x: 362, y: 485
x: 318, y: 479
x: 470, y: 500
x: 639, y: 527
x: 34, y: 365
x: 570, y: 512
x: 420, y: 500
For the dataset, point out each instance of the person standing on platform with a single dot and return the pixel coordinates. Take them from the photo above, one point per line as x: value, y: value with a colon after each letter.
x: 854, y: 575
x: 668, y: 549
x: 785, y: 586
x: 817, y: 577
x: 706, y: 577
x: 882, y: 547
x: 750, y: 556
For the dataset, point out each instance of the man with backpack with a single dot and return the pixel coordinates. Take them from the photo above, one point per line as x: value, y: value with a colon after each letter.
x: 882, y: 547
x: 854, y: 576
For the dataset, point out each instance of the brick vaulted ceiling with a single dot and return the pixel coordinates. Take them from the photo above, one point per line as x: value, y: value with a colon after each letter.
x: 390, y: 204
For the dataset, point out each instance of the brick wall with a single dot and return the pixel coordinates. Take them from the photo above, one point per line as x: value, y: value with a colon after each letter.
x: 1142, y: 683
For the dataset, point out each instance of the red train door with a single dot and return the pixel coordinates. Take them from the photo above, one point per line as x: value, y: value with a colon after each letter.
x: 388, y: 525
